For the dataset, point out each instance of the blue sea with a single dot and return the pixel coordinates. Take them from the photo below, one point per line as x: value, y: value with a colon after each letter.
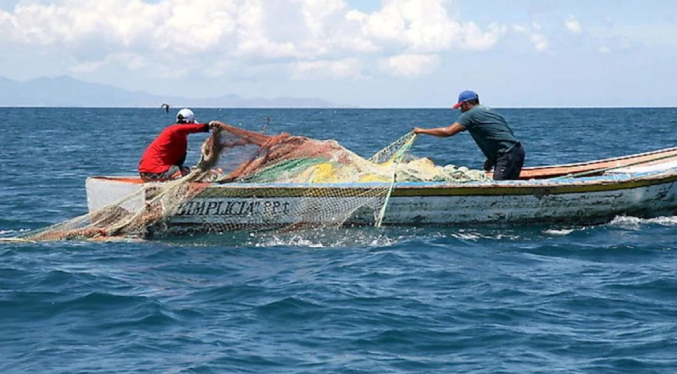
x: 531, y: 299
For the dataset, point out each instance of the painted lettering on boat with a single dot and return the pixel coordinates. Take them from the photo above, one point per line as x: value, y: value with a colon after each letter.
x: 232, y: 208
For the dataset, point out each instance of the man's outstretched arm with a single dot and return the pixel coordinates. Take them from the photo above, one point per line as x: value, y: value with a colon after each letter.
x: 442, y: 132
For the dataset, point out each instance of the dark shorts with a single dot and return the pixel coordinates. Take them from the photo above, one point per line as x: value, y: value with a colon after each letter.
x: 173, y: 172
x: 509, y: 165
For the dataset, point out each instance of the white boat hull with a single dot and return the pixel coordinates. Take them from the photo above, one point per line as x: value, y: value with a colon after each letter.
x: 582, y: 200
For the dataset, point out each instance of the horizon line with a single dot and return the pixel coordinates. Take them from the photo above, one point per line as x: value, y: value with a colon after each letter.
x: 332, y: 108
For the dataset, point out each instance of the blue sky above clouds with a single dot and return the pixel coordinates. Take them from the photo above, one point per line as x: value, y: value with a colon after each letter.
x: 390, y: 53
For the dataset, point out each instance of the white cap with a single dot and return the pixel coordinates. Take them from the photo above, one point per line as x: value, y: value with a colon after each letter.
x: 185, y: 115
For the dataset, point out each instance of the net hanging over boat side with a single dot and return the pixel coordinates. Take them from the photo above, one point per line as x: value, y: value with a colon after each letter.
x: 137, y: 215
x: 299, y: 182
x: 262, y: 182
x: 294, y: 183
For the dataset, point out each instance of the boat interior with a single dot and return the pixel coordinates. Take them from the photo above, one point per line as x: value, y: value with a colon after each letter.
x: 574, y: 170
x: 599, y: 167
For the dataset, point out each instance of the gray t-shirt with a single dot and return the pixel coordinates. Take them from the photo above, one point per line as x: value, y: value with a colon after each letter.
x: 489, y: 130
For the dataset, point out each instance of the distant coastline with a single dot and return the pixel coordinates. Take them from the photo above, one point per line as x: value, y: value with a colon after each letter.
x: 67, y: 92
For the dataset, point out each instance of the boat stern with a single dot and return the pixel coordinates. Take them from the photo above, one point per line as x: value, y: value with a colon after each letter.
x: 127, y: 192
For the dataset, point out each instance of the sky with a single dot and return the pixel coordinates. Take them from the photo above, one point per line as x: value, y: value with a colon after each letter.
x: 370, y: 53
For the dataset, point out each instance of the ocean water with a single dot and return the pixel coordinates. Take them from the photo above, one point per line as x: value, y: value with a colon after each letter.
x: 533, y: 299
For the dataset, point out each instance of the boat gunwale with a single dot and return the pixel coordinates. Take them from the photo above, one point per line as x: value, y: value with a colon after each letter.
x: 445, y: 189
x: 535, y: 186
x: 552, y: 171
x: 604, y: 160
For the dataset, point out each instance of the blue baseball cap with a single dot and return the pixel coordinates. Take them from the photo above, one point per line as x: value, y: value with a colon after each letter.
x: 465, y: 96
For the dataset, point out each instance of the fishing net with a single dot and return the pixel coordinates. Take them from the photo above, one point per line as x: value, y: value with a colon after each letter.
x: 248, y: 180
x: 258, y: 158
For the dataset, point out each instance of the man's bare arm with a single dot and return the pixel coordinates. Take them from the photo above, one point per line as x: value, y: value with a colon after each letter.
x: 442, y: 132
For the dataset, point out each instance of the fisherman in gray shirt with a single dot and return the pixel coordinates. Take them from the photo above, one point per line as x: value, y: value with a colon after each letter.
x: 491, y: 133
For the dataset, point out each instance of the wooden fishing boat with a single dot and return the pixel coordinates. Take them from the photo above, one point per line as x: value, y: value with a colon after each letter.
x: 642, y: 185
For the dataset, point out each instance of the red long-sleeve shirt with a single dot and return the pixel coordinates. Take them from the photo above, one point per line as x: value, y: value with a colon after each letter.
x: 169, y: 148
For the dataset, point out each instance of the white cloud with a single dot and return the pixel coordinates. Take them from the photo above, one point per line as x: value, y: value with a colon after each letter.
x: 540, y: 42
x: 177, y: 37
x: 425, y: 26
x: 537, y: 39
x: 171, y: 72
x: 419, y: 26
x: 86, y: 67
x: 520, y: 29
x: 129, y: 61
x: 347, y: 68
x: 615, y: 45
x: 195, y: 26
x: 410, y: 65
x: 573, y: 25
x: 475, y: 39
x: 6, y: 25
x: 218, y: 69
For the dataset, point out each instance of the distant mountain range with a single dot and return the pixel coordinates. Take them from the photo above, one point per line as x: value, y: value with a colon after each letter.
x: 65, y: 91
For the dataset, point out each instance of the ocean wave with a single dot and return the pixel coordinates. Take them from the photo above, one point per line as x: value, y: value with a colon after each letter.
x: 291, y: 309
x: 332, y: 238
x: 360, y: 237
x: 12, y: 233
x: 486, y: 234
x: 558, y: 232
x: 635, y: 223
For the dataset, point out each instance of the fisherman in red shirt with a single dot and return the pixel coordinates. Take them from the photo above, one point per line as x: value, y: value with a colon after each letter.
x: 164, y: 157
